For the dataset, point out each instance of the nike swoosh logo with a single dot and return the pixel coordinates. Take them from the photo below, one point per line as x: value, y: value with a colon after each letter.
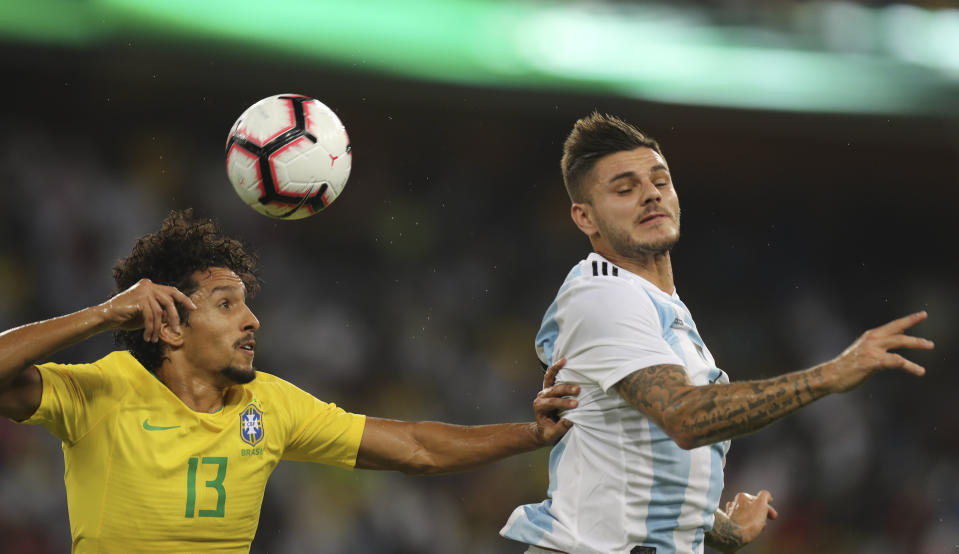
x: 148, y: 427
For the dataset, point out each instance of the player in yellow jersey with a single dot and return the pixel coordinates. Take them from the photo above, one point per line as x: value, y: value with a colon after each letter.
x: 168, y: 444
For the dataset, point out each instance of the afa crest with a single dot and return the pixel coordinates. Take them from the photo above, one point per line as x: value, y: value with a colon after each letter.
x: 251, y: 428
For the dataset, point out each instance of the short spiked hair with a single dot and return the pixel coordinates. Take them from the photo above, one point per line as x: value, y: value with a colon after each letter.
x: 593, y: 137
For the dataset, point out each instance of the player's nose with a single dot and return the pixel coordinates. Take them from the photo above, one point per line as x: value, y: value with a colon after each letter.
x: 250, y: 322
x: 650, y: 192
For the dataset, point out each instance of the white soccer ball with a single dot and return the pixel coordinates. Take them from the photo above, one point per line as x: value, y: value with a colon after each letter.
x: 288, y: 156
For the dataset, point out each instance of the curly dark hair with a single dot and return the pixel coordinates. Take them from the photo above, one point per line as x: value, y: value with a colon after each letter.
x: 183, y: 245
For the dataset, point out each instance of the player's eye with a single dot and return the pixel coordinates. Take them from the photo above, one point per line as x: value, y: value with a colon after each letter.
x: 225, y: 304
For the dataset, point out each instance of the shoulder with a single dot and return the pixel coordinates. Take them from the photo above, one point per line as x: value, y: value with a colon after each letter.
x: 267, y: 383
x: 76, y: 396
x: 269, y: 386
x: 598, y: 284
x: 608, y: 301
x: 293, y: 402
x: 592, y: 266
x: 597, y: 267
x: 116, y: 367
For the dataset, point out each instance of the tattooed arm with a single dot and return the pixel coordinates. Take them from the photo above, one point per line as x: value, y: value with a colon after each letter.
x: 698, y: 415
x: 743, y: 521
x: 726, y: 535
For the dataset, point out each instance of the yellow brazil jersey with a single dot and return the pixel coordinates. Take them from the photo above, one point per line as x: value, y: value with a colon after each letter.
x: 145, y: 473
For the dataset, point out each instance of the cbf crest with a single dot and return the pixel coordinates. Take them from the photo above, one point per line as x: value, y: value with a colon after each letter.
x: 251, y: 428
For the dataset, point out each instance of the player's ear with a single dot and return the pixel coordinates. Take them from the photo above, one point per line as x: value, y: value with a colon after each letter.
x: 171, y: 337
x: 582, y: 214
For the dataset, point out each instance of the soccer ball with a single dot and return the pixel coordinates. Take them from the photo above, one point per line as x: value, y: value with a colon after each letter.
x: 288, y: 156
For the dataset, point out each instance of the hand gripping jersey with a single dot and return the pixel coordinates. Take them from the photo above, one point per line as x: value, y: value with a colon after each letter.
x: 617, y: 481
x: 145, y: 473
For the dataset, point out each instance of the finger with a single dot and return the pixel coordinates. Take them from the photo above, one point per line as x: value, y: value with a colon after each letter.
x: 554, y: 404
x: 182, y: 298
x: 895, y: 361
x: 170, y: 312
x: 555, y: 430
x: 906, y: 341
x: 897, y: 326
x: 764, y: 496
x: 565, y: 389
x: 550, y: 378
x: 157, y: 320
x: 147, y: 315
x: 729, y: 507
x: 772, y: 513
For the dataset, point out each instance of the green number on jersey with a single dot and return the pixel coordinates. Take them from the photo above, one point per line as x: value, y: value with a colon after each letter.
x: 214, y: 484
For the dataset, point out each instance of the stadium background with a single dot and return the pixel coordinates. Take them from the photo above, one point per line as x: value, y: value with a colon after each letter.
x: 818, y: 178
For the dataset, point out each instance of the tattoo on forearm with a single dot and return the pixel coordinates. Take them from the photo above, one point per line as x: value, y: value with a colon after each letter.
x: 713, y: 413
x: 725, y: 536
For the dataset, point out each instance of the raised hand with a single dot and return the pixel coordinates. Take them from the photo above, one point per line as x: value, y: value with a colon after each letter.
x: 871, y: 353
x: 146, y: 305
x: 549, y: 402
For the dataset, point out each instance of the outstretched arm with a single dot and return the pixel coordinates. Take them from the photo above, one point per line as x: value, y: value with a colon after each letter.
x: 145, y: 305
x: 744, y: 519
x: 698, y: 415
x: 431, y: 447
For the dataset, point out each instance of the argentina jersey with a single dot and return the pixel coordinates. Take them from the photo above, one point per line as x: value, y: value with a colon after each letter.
x: 616, y: 480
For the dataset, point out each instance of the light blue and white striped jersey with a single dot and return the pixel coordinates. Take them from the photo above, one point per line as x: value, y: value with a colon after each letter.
x: 617, y: 481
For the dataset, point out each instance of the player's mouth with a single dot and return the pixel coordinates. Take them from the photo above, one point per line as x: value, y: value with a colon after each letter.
x: 247, y: 346
x: 653, y: 218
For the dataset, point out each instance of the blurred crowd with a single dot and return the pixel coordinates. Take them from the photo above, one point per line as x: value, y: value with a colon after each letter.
x: 417, y: 294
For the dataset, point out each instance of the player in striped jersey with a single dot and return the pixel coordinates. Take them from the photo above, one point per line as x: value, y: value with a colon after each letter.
x: 168, y: 446
x: 641, y: 471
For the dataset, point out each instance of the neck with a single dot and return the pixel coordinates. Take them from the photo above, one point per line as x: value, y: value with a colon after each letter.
x: 200, y: 395
x: 655, y: 268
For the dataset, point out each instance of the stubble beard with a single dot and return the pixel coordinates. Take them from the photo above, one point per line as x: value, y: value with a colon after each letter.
x: 624, y: 245
x: 239, y: 376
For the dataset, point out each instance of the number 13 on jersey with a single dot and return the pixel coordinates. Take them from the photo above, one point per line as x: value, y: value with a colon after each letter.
x: 216, y: 484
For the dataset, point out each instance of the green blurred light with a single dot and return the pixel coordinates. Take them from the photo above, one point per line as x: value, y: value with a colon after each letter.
x: 903, y: 58
x: 46, y: 21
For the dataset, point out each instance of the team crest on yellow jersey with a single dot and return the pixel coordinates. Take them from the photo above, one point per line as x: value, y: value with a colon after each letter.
x: 251, y: 428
